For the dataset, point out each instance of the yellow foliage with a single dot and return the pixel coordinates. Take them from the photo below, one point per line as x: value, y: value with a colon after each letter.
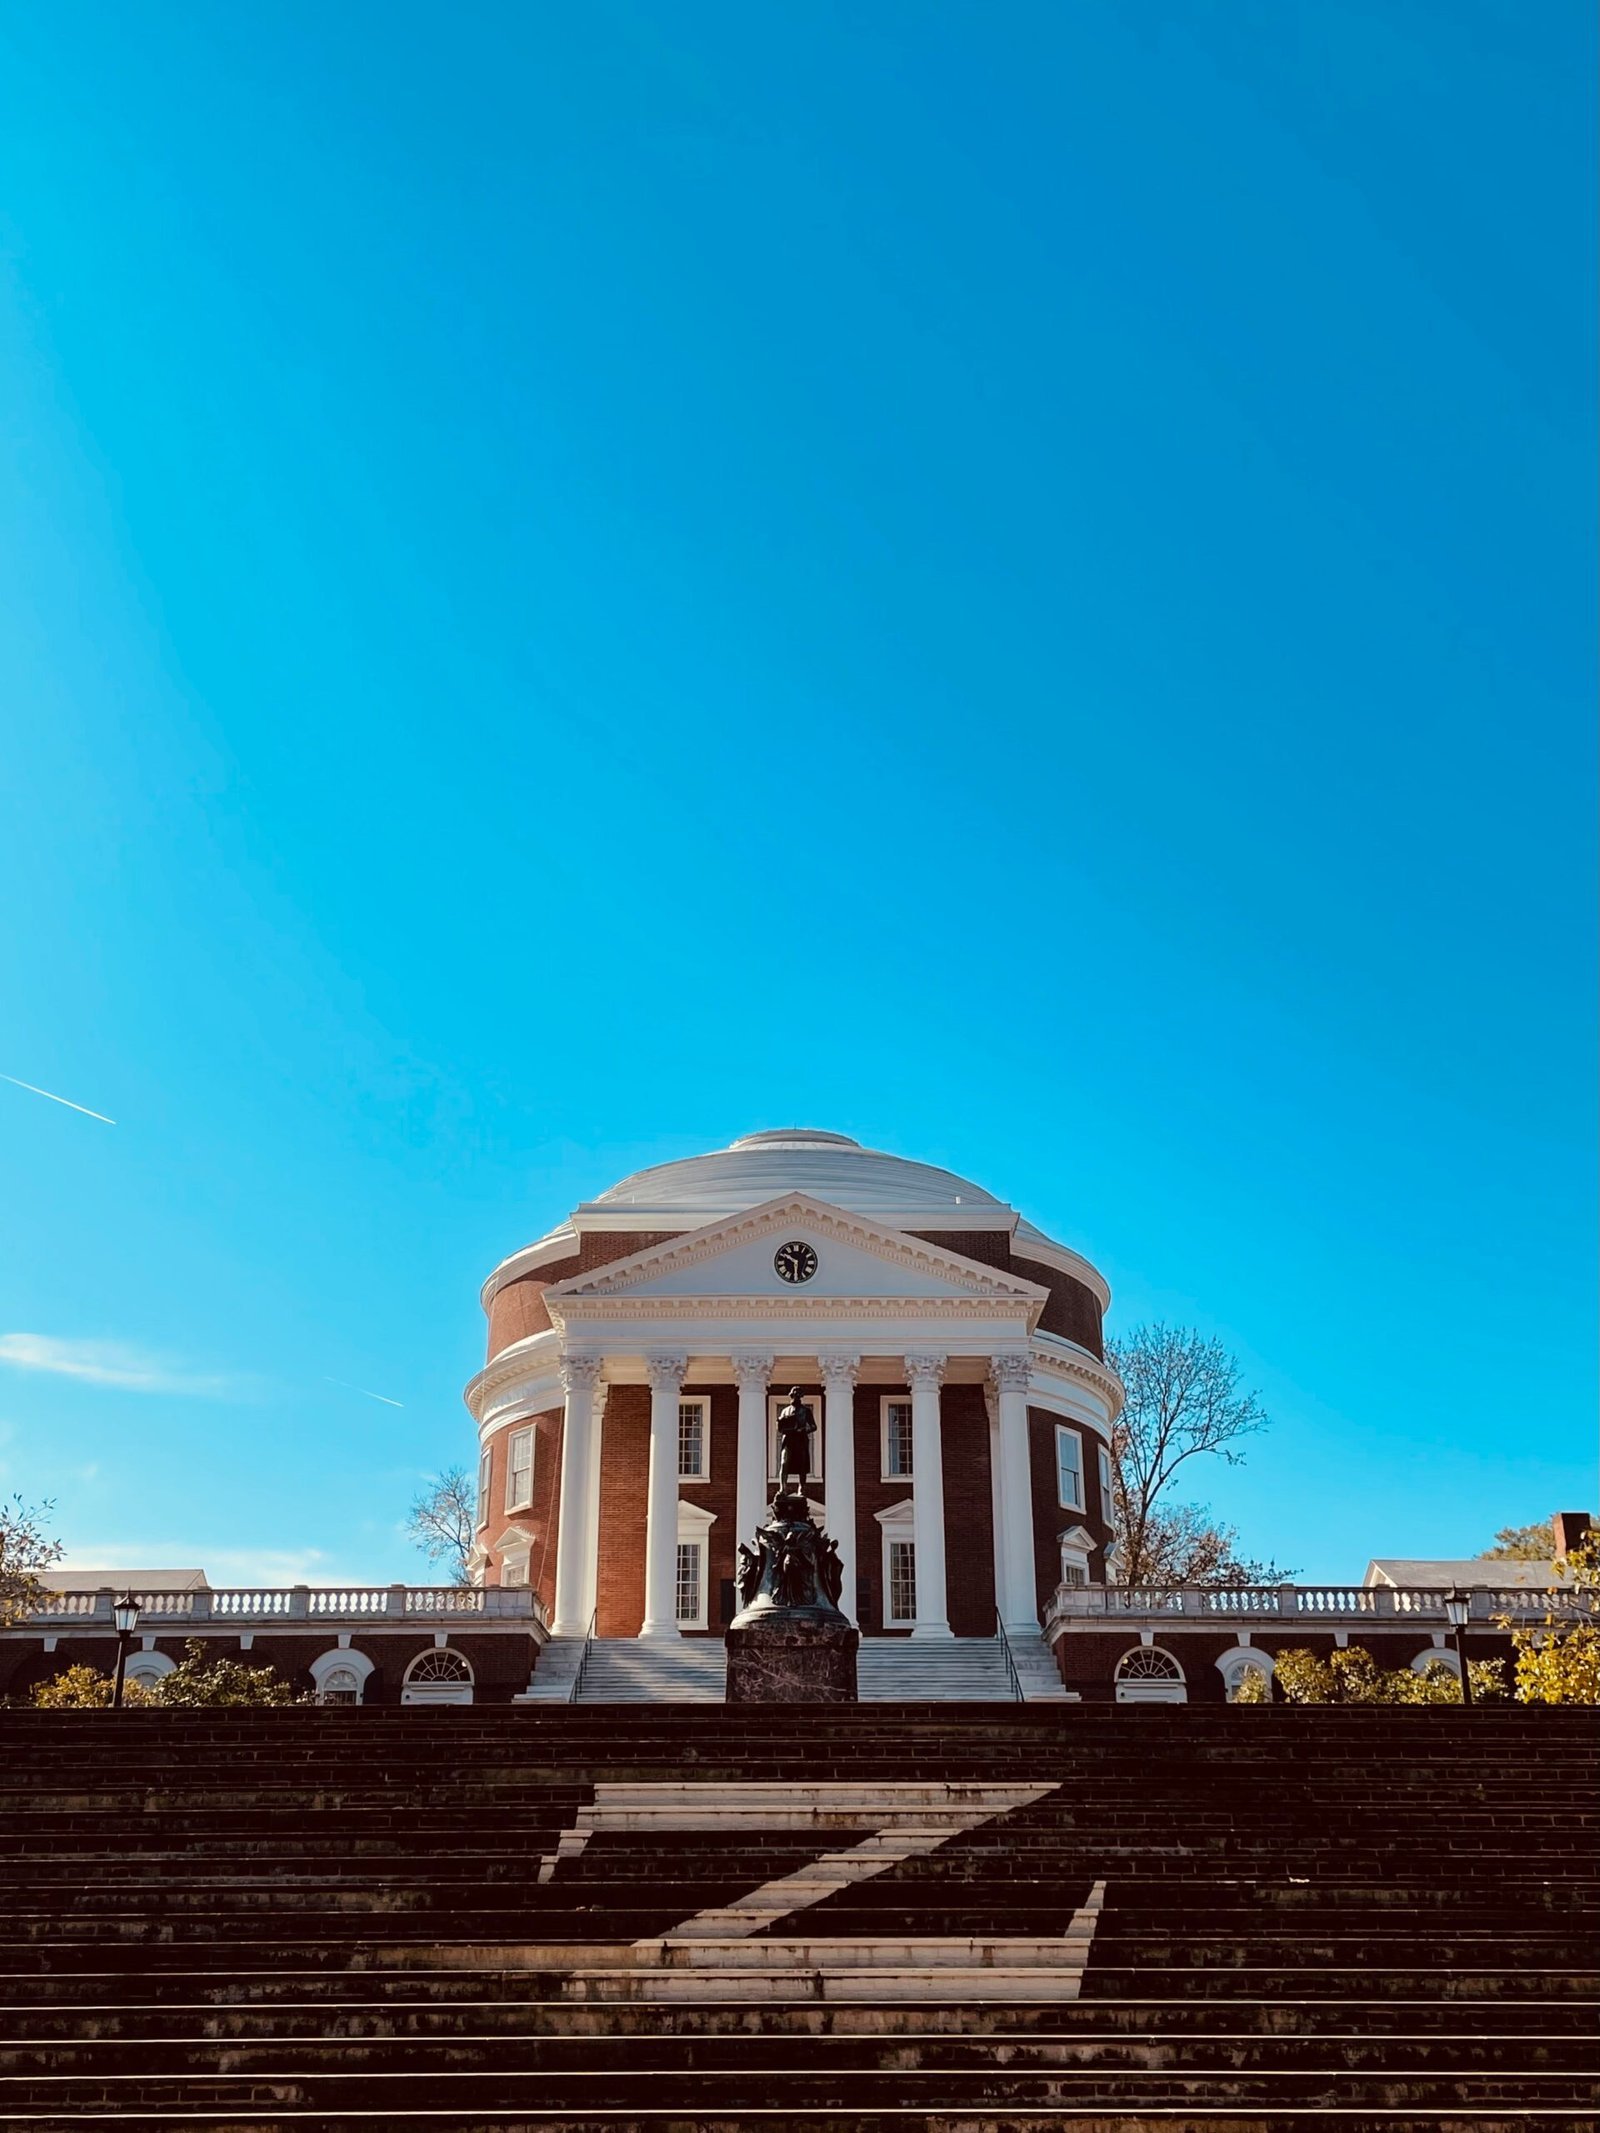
x: 85, y: 1688
x: 1560, y: 1662
x: 1352, y: 1675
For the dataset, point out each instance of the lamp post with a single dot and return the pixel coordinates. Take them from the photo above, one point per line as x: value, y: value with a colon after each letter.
x: 125, y: 1614
x: 1457, y: 1606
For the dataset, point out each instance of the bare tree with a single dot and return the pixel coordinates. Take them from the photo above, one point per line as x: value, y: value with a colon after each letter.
x: 443, y: 1522
x: 25, y: 1550
x: 1183, y: 1403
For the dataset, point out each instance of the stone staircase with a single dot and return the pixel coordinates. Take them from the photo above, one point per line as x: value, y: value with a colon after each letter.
x: 932, y: 1670
x: 652, y: 1670
x: 958, y: 1920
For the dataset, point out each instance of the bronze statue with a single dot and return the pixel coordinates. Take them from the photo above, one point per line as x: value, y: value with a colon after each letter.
x: 797, y: 1425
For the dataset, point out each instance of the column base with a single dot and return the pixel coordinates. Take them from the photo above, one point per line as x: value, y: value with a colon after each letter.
x: 933, y: 1629
x: 660, y: 1629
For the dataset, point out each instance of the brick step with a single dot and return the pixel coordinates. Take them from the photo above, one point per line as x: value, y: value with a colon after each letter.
x: 497, y: 2051
x: 706, y: 2093
x: 339, y: 2005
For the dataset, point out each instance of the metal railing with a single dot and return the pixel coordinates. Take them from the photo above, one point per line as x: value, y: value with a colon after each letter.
x: 583, y: 1663
x: 1009, y: 1656
x: 269, y: 1605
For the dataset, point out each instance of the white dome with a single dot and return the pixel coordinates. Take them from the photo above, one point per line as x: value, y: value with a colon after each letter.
x: 828, y: 1166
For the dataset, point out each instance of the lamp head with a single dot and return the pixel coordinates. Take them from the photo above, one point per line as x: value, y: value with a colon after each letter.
x: 125, y: 1613
x: 1456, y: 1606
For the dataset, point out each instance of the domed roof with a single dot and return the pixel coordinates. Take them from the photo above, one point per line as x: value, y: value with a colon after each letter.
x: 828, y: 1166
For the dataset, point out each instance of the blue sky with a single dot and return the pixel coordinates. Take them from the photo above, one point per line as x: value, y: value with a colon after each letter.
x: 1012, y: 581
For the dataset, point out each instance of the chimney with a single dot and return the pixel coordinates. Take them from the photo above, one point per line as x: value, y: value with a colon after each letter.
x: 1571, y: 1528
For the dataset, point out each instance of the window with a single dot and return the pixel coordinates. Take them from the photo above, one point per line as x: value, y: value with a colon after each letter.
x: 776, y: 1403
x: 439, y: 1676
x: 485, y: 1464
x: 1072, y: 1571
x: 1069, y: 1469
x: 514, y: 1568
x: 691, y: 1585
x: 1107, y: 1494
x: 901, y: 1590
x: 896, y: 1431
x: 341, y: 1684
x: 1150, y: 1676
x: 519, y: 1470
x: 694, y: 1439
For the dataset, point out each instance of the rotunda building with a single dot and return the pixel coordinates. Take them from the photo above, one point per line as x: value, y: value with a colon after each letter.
x: 639, y: 1354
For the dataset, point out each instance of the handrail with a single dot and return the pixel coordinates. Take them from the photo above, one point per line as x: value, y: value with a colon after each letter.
x: 1006, y: 1652
x: 270, y: 1605
x: 583, y: 1663
x: 1336, y: 1606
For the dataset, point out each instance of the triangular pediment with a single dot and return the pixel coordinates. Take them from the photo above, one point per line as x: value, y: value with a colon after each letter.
x: 856, y: 1260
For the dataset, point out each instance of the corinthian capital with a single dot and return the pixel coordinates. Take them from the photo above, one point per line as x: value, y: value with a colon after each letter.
x: 925, y: 1370
x: 1010, y: 1372
x: 581, y: 1373
x: 665, y: 1372
x: 752, y: 1371
x: 839, y: 1372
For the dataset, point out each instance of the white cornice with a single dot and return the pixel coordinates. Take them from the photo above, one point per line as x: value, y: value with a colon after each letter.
x: 561, y: 1243
x: 1063, y: 1364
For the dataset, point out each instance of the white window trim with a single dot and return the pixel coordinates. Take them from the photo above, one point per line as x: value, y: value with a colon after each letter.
x: 1233, y: 1664
x: 1173, y: 1688
x: 1107, y: 1486
x: 426, y: 1692
x: 694, y: 1524
x: 148, y: 1667
x: 1075, y: 1542
x: 888, y: 1400
x: 702, y: 1400
x: 897, y: 1523
x: 530, y: 1435
x: 776, y: 1403
x: 1437, y: 1655
x: 341, y: 1660
x: 485, y: 1482
x: 1065, y: 1430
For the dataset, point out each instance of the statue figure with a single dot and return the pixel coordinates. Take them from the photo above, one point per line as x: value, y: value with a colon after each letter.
x: 830, y: 1570
x: 797, y: 1425
x: 749, y: 1573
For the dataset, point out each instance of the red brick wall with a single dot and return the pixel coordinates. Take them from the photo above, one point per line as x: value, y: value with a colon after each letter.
x: 624, y: 1481
x: 873, y: 1495
x: 501, y: 1661
x: 1050, y: 1520
x: 518, y: 1309
x: 542, y: 1516
x: 719, y: 1495
x: 968, y: 1510
x: 1072, y: 1310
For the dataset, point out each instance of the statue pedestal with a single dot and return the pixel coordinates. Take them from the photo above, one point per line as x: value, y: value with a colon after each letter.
x: 799, y: 1660
x: 789, y: 1643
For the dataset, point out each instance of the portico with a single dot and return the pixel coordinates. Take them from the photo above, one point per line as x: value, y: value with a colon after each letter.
x: 935, y: 1388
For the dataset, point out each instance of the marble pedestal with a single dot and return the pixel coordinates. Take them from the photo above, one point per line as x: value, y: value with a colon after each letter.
x: 802, y: 1660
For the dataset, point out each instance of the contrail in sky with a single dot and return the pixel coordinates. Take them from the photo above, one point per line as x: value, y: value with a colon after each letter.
x: 383, y: 1396
x: 67, y: 1100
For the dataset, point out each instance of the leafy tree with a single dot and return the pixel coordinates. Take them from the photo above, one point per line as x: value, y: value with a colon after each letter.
x: 1560, y: 1662
x: 1524, y: 1544
x: 443, y: 1522
x: 1352, y: 1675
x: 85, y: 1688
x: 25, y: 1550
x: 1183, y: 1402
x: 197, y: 1683
x: 1252, y: 1686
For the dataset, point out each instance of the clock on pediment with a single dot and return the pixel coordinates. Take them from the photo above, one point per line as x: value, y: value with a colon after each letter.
x: 794, y: 1262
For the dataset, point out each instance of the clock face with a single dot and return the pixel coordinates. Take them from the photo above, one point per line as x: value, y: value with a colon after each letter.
x: 795, y: 1262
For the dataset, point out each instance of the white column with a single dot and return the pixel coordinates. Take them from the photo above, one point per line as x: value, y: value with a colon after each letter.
x: 925, y: 1374
x: 597, y: 1444
x: 839, y: 1464
x: 1016, y: 1592
x: 753, y: 1375
x: 665, y: 1373
x: 575, y: 1529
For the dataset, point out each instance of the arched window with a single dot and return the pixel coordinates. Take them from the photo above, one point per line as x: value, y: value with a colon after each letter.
x: 438, y: 1676
x: 1437, y: 1655
x: 147, y: 1668
x: 1147, y: 1675
x: 1242, y: 1660
x: 340, y: 1676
